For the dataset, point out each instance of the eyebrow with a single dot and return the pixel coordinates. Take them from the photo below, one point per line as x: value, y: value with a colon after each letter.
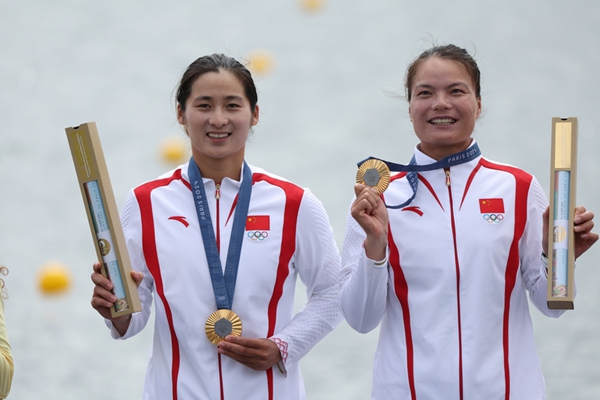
x: 428, y: 86
x: 229, y: 97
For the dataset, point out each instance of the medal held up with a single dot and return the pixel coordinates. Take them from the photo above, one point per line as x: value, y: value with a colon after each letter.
x: 561, y: 241
x: 374, y: 173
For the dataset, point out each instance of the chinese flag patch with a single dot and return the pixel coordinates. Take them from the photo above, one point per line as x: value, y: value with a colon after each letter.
x: 258, y: 223
x: 495, y: 206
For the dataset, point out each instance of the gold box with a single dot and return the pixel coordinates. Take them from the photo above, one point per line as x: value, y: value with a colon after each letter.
x: 103, y: 216
x: 561, y: 238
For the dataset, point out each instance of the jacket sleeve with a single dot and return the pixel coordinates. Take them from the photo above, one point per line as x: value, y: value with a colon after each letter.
x: 318, y: 265
x: 132, y: 229
x: 363, y: 287
x: 533, y: 269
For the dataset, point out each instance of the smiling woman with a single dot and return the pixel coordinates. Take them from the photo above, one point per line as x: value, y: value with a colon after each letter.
x: 449, y: 280
x: 217, y: 107
x: 443, y: 107
x: 217, y: 118
x: 216, y: 227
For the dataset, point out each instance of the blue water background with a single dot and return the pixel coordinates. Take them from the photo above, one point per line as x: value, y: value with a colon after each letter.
x: 333, y: 97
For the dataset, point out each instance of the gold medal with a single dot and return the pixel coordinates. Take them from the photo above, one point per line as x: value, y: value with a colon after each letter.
x: 222, y: 323
x: 374, y: 173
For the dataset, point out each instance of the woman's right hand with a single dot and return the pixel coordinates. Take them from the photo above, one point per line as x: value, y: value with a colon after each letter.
x: 371, y: 214
x: 103, y: 299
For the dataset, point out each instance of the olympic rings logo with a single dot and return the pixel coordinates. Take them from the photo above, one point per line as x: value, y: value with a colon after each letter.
x: 493, y: 218
x: 258, y: 235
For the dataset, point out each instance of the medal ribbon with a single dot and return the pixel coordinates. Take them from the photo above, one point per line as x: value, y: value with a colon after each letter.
x: 412, y: 168
x: 223, y: 283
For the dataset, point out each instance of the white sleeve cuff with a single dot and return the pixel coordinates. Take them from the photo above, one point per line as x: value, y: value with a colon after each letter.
x: 380, y: 263
x: 283, y: 346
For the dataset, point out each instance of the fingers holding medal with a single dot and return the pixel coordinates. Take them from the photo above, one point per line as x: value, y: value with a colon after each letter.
x: 374, y: 173
x: 222, y: 323
x: 368, y: 209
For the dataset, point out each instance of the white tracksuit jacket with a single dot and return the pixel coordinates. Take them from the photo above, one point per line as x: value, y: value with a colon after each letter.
x: 452, y: 301
x: 164, y: 242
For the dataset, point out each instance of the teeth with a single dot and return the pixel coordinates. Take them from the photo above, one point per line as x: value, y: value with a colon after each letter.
x: 443, y: 121
x: 217, y: 135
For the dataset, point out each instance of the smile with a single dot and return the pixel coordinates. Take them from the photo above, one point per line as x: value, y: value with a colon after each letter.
x: 442, y: 121
x: 218, y: 135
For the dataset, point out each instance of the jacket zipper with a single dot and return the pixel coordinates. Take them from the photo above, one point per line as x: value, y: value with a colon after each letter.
x: 218, y: 223
x: 456, y: 264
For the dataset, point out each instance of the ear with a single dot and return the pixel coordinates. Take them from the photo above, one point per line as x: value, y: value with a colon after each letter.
x: 180, y: 115
x: 255, y: 114
x: 478, y: 107
x: 410, y: 113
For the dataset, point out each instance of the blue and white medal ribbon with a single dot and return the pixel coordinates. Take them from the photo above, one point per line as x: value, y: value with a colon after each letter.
x: 412, y: 169
x: 223, y: 321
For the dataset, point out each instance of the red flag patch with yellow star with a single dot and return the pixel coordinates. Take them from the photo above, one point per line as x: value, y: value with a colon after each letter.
x: 258, y: 223
x: 495, y: 206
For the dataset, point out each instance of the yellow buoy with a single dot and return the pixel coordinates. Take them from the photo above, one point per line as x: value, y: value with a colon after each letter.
x: 174, y: 150
x: 261, y: 62
x: 54, y: 278
x: 312, y: 5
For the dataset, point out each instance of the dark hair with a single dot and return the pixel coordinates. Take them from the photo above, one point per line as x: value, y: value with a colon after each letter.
x: 447, y: 52
x: 216, y: 63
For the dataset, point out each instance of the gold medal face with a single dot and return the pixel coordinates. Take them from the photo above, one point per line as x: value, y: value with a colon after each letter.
x: 374, y: 173
x: 222, y: 323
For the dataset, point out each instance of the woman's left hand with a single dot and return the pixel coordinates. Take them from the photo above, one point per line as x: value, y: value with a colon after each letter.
x: 258, y: 354
x: 583, y: 224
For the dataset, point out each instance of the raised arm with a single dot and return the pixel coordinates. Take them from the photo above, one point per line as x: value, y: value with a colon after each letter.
x: 363, y: 291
